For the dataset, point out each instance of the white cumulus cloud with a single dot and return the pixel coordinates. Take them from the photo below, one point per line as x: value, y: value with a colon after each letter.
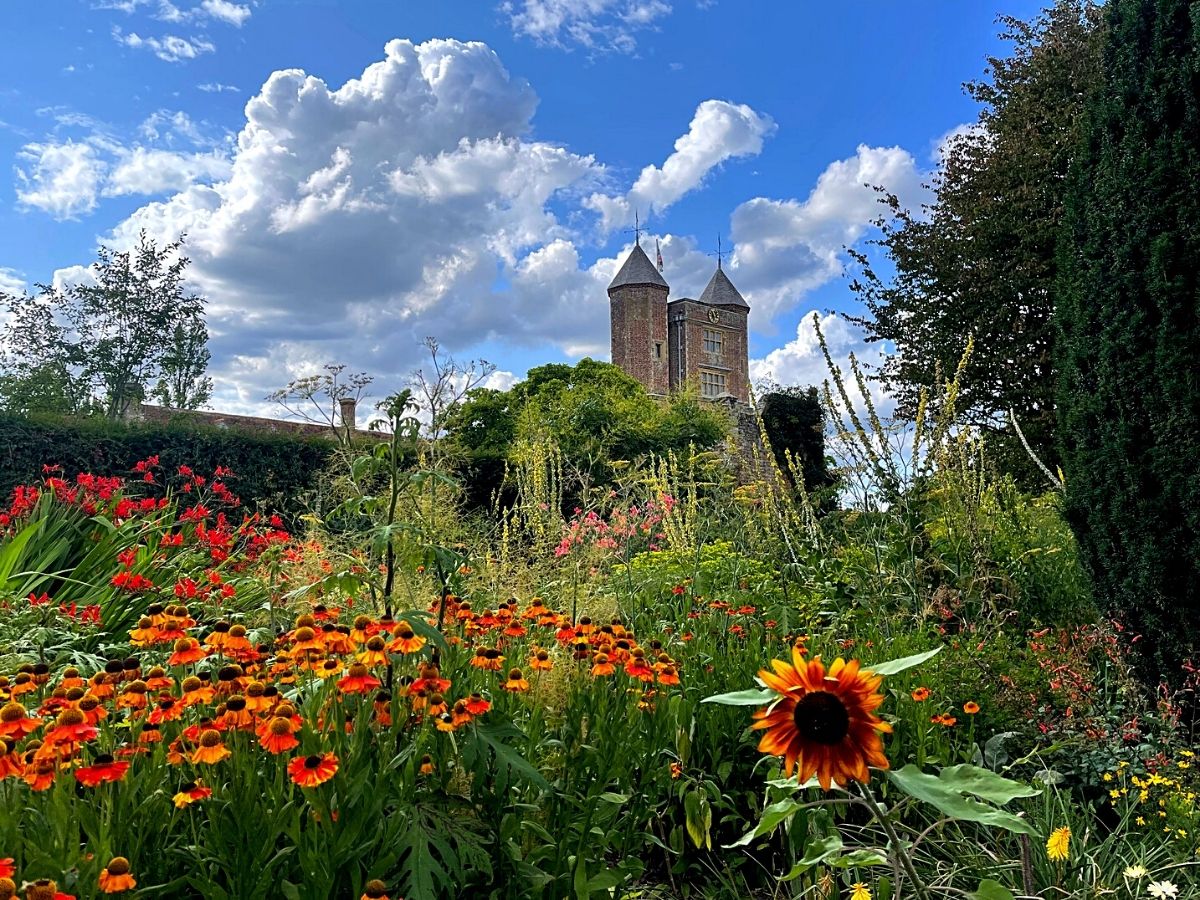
x: 355, y: 220
x: 784, y: 248
x: 598, y: 25
x: 169, y: 47
x: 719, y: 131
x: 800, y: 361
x: 231, y: 13
x: 150, y: 171
x: 62, y: 179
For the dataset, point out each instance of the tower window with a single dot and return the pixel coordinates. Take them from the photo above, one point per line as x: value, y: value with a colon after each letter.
x: 712, y: 384
x: 658, y: 349
x: 712, y: 341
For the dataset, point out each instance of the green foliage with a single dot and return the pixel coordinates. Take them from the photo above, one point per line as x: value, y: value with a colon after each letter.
x: 1129, y: 338
x: 98, y: 344
x: 275, y: 472
x: 980, y: 259
x: 794, y: 421
x: 592, y: 411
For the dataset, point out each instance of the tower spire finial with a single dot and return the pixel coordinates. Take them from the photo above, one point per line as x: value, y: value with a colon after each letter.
x: 720, y: 254
x: 637, y: 229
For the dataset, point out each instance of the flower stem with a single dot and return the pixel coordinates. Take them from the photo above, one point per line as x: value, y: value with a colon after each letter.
x: 894, y: 841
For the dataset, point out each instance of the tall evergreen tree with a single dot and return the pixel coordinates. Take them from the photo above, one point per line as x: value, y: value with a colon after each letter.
x: 1128, y: 316
x: 980, y: 259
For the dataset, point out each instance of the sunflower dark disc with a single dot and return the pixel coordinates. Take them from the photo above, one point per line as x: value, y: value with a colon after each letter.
x: 821, y: 717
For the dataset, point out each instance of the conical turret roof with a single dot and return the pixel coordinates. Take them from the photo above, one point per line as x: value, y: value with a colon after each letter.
x: 638, y: 269
x: 721, y: 292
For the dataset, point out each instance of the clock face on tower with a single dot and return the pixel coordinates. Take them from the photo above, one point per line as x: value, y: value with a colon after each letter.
x: 714, y: 316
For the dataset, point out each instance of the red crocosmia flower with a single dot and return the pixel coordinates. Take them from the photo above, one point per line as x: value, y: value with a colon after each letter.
x: 103, y: 769
x: 310, y: 771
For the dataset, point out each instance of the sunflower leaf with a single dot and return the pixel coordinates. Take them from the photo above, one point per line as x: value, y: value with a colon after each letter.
x: 751, y: 697
x: 946, y: 792
x: 892, y: 666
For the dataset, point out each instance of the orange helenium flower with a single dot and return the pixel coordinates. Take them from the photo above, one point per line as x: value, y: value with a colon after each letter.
x: 970, y: 707
x: 359, y: 681
x: 102, y: 770
x: 374, y: 890
x: 516, y: 682
x: 212, y: 748
x: 279, y: 735
x: 824, y: 722
x: 406, y: 641
x: 310, y: 771
x: 116, y: 877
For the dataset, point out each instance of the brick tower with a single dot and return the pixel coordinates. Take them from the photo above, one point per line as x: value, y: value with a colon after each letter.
x: 708, y: 341
x: 638, y: 303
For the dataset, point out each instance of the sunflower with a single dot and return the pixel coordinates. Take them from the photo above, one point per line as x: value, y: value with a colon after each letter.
x: 310, y: 771
x: 212, y: 748
x: 103, y: 769
x: 824, y: 721
x: 116, y: 877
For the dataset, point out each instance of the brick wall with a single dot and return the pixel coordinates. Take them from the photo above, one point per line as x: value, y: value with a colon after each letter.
x: 639, y: 334
x: 688, y: 322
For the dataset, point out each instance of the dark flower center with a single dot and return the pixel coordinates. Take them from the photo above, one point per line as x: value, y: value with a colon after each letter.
x: 311, y: 762
x: 821, y: 717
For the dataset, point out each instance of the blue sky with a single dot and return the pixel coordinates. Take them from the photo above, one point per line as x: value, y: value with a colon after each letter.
x: 476, y: 179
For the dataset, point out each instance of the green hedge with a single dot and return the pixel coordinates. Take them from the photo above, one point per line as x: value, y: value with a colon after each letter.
x: 276, y: 473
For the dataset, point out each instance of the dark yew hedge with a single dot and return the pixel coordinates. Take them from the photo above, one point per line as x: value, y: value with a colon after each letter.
x: 272, y: 472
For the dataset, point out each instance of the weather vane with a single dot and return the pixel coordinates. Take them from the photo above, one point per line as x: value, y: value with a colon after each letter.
x: 720, y: 254
x: 637, y: 229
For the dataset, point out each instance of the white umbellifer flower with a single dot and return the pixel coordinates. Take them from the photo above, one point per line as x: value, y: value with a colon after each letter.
x: 1138, y: 871
x: 1161, y: 890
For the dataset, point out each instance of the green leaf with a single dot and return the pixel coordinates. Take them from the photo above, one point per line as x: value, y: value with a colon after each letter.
x: 751, y: 697
x: 991, y: 890
x: 602, y: 881
x: 946, y: 792
x: 857, y: 858
x: 816, y: 851
x: 771, y: 817
x: 891, y: 667
x: 986, y: 784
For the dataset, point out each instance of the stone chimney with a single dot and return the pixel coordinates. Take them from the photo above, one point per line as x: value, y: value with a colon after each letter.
x: 348, y: 405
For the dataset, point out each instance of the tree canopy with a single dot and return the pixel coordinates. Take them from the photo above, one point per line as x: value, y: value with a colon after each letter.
x: 980, y: 259
x: 1129, y: 336
x: 103, y: 343
x: 592, y: 411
